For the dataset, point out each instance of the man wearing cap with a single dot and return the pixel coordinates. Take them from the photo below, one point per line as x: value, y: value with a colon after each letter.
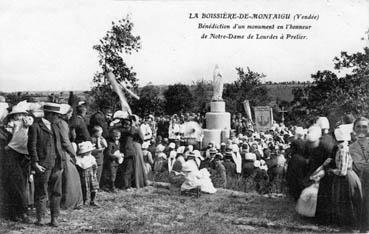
x: 47, y: 157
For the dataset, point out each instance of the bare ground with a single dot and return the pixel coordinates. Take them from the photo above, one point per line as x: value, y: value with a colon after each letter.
x: 160, y: 210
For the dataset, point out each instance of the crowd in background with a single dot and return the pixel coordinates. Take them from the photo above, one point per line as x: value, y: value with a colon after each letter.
x: 45, y: 147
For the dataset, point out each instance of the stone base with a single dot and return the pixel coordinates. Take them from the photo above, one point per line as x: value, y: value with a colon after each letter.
x: 217, y: 120
x: 218, y: 106
x: 211, y: 135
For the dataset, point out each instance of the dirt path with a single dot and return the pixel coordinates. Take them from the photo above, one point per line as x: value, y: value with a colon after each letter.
x: 158, y: 210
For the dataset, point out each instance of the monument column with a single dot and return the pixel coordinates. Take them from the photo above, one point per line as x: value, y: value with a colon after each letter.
x: 218, y: 122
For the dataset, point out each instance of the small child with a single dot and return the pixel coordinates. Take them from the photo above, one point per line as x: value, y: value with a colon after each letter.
x: 100, y: 144
x: 160, y: 159
x: 113, y: 157
x: 87, y: 168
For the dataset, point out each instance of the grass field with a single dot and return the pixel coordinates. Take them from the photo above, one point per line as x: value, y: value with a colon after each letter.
x: 160, y: 210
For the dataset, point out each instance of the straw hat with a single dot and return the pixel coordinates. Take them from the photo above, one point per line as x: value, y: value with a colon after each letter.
x: 85, y: 147
x: 52, y: 107
x: 20, y: 108
x: 64, y: 108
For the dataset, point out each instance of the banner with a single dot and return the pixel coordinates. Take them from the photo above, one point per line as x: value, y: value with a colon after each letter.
x: 263, y: 118
x: 246, y: 106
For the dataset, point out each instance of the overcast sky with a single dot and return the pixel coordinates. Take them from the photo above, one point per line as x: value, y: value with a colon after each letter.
x: 47, y: 45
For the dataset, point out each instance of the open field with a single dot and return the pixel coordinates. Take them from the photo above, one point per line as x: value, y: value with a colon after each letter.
x: 159, y: 210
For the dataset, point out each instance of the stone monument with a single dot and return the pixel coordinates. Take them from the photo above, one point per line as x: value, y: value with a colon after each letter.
x: 218, y: 122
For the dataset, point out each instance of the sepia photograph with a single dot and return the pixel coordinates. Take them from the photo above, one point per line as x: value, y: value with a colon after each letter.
x: 184, y: 116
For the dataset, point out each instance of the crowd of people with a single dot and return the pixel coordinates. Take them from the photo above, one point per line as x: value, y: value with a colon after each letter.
x: 51, y: 154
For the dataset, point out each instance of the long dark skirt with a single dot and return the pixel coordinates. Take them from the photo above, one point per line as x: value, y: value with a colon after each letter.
x: 71, y: 187
x: 125, y: 173
x: 362, y: 170
x: 131, y: 172
x: 324, y: 203
x: 346, y: 199
x: 140, y: 175
x: 15, y: 184
x: 295, y: 175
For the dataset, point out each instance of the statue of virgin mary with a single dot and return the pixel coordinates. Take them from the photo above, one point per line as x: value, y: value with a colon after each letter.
x: 217, y: 85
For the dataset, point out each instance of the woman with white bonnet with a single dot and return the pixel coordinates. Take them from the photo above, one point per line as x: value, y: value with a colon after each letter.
x: 196, y: 178
x: 359, y: 151
x: 346, y: 185
x: 318, y: 156
x: 327, y: 140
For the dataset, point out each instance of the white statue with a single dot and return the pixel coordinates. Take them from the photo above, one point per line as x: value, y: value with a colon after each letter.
x: 217, y: 85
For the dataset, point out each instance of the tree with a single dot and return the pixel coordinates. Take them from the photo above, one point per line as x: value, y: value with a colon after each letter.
x: 247, y: 86
x: 178, y: 99
x: 333, y: 96
x: 201, y: 93
x: 150, y: 101
x: 118, y: 41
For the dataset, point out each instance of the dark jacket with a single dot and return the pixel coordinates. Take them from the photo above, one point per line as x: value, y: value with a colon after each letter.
x: 81, y: 130
x: 98, y: 119
x: 109, y: 152
x: 44, y: 146
x: 64, y: 138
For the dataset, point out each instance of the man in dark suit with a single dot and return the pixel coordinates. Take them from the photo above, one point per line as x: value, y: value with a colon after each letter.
x: 47, y: 156
x: 81, y: 129
x: 101, y: 118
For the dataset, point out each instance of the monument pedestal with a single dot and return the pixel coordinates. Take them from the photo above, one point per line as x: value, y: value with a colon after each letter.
x: 218, y: 124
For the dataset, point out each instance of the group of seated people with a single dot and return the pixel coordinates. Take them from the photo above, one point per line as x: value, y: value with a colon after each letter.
x: 257, y: 160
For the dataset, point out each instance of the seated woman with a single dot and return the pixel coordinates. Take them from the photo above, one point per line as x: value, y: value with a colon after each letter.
x: 195, y: 178
x: 176, y: 177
